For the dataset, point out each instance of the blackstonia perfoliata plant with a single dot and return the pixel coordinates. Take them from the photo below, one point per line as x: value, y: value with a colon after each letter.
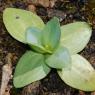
x: 51, y: 46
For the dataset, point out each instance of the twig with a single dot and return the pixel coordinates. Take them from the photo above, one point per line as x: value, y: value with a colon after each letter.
x: 6, y: 75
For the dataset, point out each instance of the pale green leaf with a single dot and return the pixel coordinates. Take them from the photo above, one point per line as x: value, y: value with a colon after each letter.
x: 81, y: 75
x: 75, y: 36
x: 33, y: 38
x: 59, y: 59
x: 30, y: 68
x: 17, y: 21
x: 51, y: 34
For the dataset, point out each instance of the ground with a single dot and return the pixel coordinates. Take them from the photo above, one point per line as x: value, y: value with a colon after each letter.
x: 67, y: 11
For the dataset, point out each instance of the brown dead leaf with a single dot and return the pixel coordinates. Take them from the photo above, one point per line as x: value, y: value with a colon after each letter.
x: 44, y: 3
x: 52, y: 3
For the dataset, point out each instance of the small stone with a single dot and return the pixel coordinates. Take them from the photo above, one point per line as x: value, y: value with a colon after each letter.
x: 32, y: 8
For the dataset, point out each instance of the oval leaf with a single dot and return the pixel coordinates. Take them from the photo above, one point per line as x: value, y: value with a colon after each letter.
x: 81, y: 75
x: 51, y: 34
x: 30, y: 68
x: 17, y: 21
x: 59, y: 59
x: 33, y: 38
x: 75, y: 36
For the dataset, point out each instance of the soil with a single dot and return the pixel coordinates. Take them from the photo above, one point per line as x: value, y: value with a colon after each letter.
x: 67, y: 11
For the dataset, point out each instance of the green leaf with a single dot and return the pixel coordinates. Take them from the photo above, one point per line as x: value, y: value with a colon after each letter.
x: 17, y: 21
x: 30, y: 68
x: 59, y: 59
x: 81, y: 75
x: 75, y: 36
x: 33, y: 38
x: 51, y: 34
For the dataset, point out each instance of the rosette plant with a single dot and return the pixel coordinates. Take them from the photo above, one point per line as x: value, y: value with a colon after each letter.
x: 51, y: 46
